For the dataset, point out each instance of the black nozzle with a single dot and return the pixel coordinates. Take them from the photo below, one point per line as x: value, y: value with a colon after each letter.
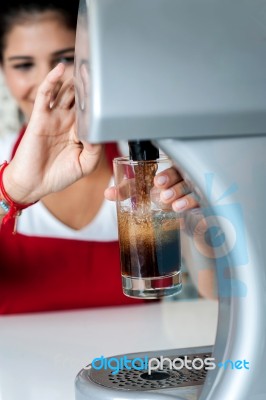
x: 142, y: 150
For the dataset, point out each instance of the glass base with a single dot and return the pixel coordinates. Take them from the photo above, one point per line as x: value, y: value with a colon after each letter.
x: 152, y: 288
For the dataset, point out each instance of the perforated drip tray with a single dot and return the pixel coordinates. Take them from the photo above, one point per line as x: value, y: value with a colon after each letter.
x: 141, y: 380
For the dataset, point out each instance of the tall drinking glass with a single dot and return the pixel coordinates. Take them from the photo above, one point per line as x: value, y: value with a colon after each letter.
x: 149, y: 231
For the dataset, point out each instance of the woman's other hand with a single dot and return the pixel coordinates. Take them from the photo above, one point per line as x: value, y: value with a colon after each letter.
x: 174, y: 191
x: 169, y: 191
x: 169, y: 186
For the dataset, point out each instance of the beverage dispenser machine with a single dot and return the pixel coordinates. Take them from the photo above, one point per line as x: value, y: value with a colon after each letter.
x: 189, y: 75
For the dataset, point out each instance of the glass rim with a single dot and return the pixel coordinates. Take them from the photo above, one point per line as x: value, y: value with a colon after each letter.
x: 126, y: 160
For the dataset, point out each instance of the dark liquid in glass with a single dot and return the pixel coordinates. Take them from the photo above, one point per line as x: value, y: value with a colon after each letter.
x: 149, y: 244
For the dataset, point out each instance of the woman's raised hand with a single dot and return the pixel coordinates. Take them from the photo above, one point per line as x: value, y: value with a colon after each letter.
x: 50, y: 157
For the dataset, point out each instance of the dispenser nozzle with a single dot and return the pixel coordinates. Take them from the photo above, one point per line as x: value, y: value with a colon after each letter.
x: 142, y: 150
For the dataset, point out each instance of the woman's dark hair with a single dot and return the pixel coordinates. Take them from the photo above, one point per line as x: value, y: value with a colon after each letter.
x: 13, y: 12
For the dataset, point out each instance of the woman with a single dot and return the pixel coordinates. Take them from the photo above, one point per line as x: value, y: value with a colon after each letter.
x: 65, y: 253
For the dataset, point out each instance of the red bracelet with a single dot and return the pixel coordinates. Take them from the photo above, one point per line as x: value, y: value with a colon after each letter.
x: 13, y: 209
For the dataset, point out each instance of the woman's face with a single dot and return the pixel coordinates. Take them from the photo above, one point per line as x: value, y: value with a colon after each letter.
x: 32, y: 49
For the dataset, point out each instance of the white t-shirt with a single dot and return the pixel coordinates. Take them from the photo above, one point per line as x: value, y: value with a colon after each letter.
x: 38, y: 221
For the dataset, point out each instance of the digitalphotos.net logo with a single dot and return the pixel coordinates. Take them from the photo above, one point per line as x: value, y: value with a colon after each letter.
x: 116, y: 364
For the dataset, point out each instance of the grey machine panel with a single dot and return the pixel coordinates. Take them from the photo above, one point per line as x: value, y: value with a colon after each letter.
x: 171, y: 68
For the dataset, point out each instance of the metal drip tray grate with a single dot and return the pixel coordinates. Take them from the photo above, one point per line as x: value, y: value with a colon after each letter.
x: 141, y: 380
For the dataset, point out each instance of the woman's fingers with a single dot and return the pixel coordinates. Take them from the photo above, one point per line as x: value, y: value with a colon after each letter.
x: 179, y: 197
x: 167, y: 178
x: 174, y: 190
x: 46, y: 90
x: 90, y: 156
x: 65, y: 97
x: 110, y: 193
x: 125, y: 190
x: 186, y: 202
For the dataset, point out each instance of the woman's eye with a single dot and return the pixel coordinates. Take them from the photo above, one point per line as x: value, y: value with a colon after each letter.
x: 23, y: 66
x: 65, y: 60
